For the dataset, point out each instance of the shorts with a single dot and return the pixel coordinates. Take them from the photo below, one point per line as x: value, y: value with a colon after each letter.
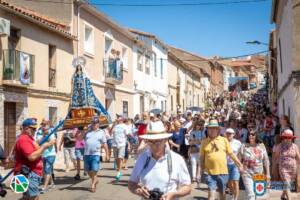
x: 34, y: 183
x: 91, y: 163
x: 79, y: 153
x: 234, y: 174
x: 119, y: 152
x: 216, y: 182
x: 48, y: 163
x: 109, y: 143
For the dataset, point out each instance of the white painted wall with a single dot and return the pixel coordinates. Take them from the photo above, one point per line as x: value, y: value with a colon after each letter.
x: 285, y: 31
x: 156, y: 86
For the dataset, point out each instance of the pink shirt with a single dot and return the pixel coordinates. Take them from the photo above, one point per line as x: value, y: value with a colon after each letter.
x: 79, y: 144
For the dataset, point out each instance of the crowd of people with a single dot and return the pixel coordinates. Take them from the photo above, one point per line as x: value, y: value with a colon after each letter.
x: 224, y: 146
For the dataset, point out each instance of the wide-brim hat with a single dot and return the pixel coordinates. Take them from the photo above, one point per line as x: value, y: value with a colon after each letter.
x: 213, y: 124
x: 288, y: 133
x: 158, y: 132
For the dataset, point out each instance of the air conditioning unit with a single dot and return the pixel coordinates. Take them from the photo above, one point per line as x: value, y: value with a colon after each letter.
x: 4, y: 27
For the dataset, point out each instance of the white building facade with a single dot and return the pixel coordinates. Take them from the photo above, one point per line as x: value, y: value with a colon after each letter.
x: 150, y: 75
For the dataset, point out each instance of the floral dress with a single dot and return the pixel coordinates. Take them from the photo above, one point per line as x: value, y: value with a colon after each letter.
x: 254, y: 158
x: 287, y: 161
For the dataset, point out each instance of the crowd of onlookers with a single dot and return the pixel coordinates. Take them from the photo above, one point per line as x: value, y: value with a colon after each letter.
x: 236, y: 138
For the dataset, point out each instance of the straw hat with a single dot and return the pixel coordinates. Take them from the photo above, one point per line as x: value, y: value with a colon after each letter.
x: 213, y: 123
x: 157, y: 132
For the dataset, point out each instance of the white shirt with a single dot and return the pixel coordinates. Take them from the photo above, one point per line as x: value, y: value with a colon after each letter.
x: 156, y: 126
x: 119, y: 135
x: 187, y: 136
x: 156, y: 174
x: 236, y: 147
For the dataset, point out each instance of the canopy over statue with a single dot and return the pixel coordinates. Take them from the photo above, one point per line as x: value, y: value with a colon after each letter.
x: 84, y: 104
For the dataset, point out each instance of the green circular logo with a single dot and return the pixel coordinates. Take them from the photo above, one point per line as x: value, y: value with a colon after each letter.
x: 19, y: 184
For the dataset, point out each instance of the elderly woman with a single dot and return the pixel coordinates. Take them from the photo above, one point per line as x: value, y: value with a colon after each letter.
x: 255, y: 161
x: 287, y: 154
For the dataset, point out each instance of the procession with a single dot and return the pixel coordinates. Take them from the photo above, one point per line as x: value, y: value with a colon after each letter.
x: 91, y: 109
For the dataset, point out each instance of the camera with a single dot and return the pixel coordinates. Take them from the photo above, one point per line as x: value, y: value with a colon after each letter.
x: 155, y: 194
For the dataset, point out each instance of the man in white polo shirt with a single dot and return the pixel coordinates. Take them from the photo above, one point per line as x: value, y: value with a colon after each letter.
x: 159, y: 172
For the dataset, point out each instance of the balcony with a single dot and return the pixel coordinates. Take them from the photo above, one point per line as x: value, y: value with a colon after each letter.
x: 113, y: 71
x: 18, y: 68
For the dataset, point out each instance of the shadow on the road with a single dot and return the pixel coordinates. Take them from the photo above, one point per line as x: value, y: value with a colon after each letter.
x: 75, y: 188
x: 200, y: 198
x: 66, y: 180
x: 112, y: 176
x: 123, y: 183
x: 202, y: 188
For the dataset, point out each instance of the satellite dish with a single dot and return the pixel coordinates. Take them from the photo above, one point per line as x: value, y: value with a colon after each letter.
x: 79, y: 61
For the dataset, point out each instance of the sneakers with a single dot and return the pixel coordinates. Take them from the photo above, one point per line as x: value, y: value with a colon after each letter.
x: 77, y: 177
x: 119, y: 175
x: 43, y: 190
x: 51, y: 186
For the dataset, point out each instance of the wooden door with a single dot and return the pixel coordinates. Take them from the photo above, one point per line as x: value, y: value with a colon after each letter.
x: 9, y: 128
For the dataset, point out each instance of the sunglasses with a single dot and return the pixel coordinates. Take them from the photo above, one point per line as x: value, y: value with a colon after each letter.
x: 252, y: 134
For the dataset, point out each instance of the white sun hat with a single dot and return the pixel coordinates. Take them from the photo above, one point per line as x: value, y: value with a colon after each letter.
x: 157, y: 131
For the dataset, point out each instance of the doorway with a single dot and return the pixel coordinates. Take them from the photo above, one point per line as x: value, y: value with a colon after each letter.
x: 9, y: 128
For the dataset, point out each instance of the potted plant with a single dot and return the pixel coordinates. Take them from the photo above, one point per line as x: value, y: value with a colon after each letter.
x: 8, y: 73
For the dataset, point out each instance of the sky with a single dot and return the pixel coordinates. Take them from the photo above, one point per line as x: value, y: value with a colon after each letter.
x: 211, y: 30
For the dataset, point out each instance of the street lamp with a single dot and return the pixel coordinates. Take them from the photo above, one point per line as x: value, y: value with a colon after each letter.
x: 257, y: 42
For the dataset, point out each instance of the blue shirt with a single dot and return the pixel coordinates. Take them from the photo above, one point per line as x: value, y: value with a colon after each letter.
x: 93, y: 141
x: 50, y: 151
x: 179, y: 137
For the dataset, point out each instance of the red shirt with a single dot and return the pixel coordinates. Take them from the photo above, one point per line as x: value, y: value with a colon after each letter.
x: 25, y: 146
x: 142, y: 129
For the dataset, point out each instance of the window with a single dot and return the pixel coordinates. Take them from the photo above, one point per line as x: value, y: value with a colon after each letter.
x: 198, y: 100
x: 162, y: 105
x: 88, y: 39
x: 52, y: 65
x: 155, y: 64
x: 289, y: 112
x: 140, y: 61
x: 53, y: 115
x: 161, y: 68
x: 183, y: 106
x: 142, y: 108
x: 14, y: 38
x: 125, y: 108
x: 280, y: 56
x: 125, y: 57
x: 147, y: 64
x: 171, y: 102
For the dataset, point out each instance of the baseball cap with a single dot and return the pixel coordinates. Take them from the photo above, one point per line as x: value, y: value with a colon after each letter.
x: 30, y: 122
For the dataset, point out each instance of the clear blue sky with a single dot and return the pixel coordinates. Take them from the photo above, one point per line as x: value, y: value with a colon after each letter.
x: 206, y: 30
